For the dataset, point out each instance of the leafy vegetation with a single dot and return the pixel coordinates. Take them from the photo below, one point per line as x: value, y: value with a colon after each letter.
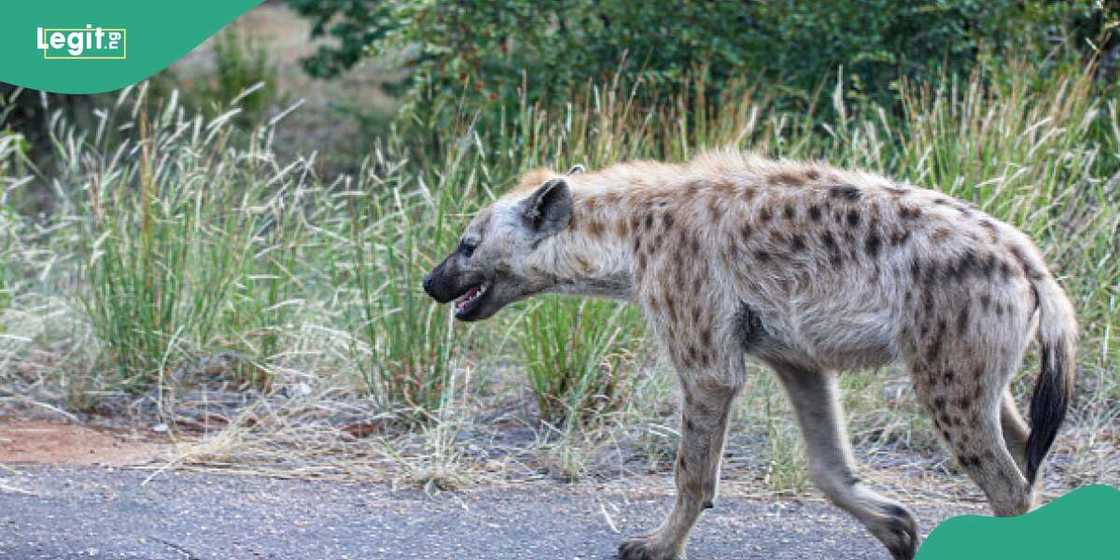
x: 491, y: 54
x: 182, y: 248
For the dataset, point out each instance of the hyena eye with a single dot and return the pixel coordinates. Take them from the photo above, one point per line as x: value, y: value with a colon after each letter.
x: 466, y: 249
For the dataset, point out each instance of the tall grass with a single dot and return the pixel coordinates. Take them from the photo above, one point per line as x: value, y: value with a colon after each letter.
x: 193, y: 241
x: 578, y: 357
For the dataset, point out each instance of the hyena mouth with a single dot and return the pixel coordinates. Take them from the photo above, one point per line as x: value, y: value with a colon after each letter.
x: 470, y: 301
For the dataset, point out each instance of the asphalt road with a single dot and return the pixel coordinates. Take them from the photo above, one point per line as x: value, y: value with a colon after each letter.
x: 64, y: 513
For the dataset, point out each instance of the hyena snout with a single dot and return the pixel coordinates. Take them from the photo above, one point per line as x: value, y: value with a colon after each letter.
x: 471, y: 291
x: 439, y: 286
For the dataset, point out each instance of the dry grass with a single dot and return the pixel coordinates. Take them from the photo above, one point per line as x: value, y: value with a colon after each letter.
x: 314, y: 353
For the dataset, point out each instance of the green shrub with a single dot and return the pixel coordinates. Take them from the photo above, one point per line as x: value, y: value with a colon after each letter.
x: 488, y: 54
x: 243, y: 75
x: 578, y: 355
x: 182, y: 244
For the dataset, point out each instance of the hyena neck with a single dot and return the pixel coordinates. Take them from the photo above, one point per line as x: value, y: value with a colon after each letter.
x: 592, y: 257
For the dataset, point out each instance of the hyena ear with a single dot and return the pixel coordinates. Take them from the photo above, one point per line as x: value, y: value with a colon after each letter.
x: 576, y: 170
x: 549, y: 209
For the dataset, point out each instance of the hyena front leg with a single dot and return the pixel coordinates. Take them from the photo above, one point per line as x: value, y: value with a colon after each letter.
x: 815, y: 399
x: 707, y: 397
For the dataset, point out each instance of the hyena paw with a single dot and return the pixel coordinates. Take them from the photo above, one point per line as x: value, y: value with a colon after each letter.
x: 647, y: 547
x: 899, y: 533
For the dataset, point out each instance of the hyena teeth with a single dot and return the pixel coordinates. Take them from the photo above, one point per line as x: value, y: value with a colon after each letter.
x: 471, y: 295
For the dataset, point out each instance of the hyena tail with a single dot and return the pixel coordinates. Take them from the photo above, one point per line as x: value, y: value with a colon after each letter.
x: 1053, y: 390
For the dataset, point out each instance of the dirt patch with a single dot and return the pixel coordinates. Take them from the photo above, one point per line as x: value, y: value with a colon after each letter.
x: 52, y: 443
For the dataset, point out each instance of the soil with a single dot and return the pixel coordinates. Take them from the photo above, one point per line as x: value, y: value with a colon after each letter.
x: 55, y: 443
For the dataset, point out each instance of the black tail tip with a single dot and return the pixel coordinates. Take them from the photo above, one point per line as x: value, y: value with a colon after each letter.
x: 1048, y: 410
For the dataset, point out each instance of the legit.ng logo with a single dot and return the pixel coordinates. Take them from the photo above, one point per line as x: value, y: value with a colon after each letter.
x: 88, y: 43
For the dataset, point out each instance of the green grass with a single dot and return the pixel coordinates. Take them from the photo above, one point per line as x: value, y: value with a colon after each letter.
x: 578, y: 356
x: 181, y: 238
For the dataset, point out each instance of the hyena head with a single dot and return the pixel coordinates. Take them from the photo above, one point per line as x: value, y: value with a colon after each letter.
x: 490, y: 269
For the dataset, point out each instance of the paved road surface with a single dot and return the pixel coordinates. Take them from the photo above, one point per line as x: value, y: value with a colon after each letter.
x: 56, y: 513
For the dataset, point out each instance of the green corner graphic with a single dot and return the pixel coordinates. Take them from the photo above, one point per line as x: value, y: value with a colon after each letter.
x: 1080, y: 525
x: 153, y: 35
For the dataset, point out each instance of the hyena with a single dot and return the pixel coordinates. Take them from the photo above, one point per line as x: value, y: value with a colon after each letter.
x: 811, y: 270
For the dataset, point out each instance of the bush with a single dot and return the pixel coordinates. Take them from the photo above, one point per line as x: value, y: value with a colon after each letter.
x: 241, y: 65
x: 184, y: 244
x: 486, y: 53
x: 578, y: 356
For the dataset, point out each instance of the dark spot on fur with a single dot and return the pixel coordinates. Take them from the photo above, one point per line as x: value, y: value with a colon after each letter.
x: 964, y: 403
x: 900, y: 237
x: 797, y: 242
x: 846, y: 192
x: 965, y: 266
x: 934, y: 350
x: 714, y: 210
x: 1004, y: 269
x: 932, y: 269
x: 985, y: 301
x: 853, y: 218
x: 962, y: 320
x: 667, y: 220
x: 969, y: 461
x: 790, y: 212
x: 647, y: 223
x: 595, y: 228
x: 748, y: 327
x: 706, y: 337
x: 621, y: 228
x: 909, y: 212
x: 764, y: 214
x: 745, y: 231
x: 939, y: 404
x: 815, y: 213
x: 873, y: 243
x: 949, y: 376
x: 762, y: 255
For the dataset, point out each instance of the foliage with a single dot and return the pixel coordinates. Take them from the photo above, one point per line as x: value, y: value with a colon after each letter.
x: 406, y: 347
x: 173, y: 239
x: 241, y: 65
x: 194, y: 241
x: 578, y: 356
x: 488, y: 52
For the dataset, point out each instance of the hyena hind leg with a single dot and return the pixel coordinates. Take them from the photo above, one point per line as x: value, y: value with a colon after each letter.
x: 971, y: 421
x: 815, y: 399
x: 1015, y: 431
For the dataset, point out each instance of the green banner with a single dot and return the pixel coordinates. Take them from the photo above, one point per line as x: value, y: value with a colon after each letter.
x: 1080, y: 525
x: 88, y: 46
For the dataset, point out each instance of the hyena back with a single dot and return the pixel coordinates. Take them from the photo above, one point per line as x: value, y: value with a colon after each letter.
x: 811, y: 270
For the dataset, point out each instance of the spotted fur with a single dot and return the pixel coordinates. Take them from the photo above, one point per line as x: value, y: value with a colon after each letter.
x: 812, y: 270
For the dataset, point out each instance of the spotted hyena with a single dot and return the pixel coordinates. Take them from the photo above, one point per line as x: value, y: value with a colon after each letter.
x: 811, y: 270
